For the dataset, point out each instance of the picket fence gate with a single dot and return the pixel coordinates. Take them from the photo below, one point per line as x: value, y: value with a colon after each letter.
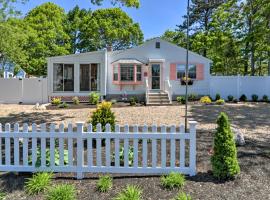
x: 84, y: 150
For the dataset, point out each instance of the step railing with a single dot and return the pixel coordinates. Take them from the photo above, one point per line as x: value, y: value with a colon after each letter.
x: 147, y: 91
x: 168, y: 89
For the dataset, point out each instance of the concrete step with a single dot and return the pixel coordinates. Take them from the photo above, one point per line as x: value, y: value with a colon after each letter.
x: 158, y: 97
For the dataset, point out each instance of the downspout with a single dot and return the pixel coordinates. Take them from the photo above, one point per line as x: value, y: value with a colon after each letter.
x: 106, y: 72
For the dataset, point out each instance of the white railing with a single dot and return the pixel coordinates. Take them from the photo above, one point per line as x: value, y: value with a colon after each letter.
x: 147, y: 91
x: 168, y: 89
x: 64, y: 150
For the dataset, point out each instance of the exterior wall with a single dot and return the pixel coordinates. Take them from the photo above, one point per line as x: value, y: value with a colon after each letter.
x: 238, y: 85
x: 77, y: 59
x: 169, y: 53
x: 31, y: 91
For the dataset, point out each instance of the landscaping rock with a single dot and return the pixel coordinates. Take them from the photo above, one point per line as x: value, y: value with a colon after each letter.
x: 238, y: 136
x: 40, y: 107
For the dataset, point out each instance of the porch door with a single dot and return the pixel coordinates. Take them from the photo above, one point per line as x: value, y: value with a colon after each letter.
x: 155, y: 76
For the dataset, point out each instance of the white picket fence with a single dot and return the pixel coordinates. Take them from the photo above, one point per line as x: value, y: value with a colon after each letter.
x: 79, y: 149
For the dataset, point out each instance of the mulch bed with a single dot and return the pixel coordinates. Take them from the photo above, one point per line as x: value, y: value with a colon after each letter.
x: 252, y: 183
x: 87, y: 105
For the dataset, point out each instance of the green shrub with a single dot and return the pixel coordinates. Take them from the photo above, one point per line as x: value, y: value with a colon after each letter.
x: 218, y: 97
x: 56, y: 101
x: 181, y: 99
x: 182, y: 196
x: 173, y: 180
x: 230, y: 98
x: 192, y: 97
x: 206, y: 100
x: 235, y: 100
x: 131, y: 192
x: 265, y: 98
x: 63, y: 105
x: 254, y: 97
x: 114, y: 101
x: 76, y: 100
x: 122, y: 155
x: 103, y: 115
x: 38, y: 183
x: 94, y: 98
x: 104, y: 183
x: 2, y: 195
x: 243, y: 98
x: 61, y: 192
x: 133, y: 101
x: 224, y: 160
x: 48, y: 160
x: 220, y: 102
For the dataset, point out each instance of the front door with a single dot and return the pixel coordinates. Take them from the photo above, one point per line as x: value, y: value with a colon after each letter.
x: 155, y: 76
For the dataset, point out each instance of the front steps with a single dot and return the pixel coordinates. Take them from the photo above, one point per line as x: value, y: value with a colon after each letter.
x: 158, y: 98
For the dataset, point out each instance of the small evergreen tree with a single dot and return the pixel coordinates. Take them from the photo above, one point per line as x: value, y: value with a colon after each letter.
x: 103, y: 115
x: 224, y: 160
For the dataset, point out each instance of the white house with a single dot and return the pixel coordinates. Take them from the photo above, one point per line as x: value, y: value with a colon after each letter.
x: 152, y: 71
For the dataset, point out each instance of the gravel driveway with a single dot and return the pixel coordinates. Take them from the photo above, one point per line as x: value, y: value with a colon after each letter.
x: 252, y: 119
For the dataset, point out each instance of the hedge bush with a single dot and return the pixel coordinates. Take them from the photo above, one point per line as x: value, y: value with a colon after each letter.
x: 230, y: 98
x: 103, y: 115
x: 243, y: 98
x: 218, y: 97
x: 206, y: 100
x: 224, y: 160
x: 255, y: 97
x: 94, y: 98
x: 181, y: 99
x: 265, y: 98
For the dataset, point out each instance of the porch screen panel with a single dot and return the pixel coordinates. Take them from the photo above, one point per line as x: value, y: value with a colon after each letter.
x: 95, y: 77
x: 58, y: 77
x: 127, y: 72
x: 68, y: 77
x: 84, y: 77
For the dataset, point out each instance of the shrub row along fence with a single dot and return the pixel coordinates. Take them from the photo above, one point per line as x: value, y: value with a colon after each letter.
x: 144, y: 150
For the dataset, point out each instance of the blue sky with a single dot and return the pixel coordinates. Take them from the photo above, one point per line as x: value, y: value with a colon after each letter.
x: 154, y: 16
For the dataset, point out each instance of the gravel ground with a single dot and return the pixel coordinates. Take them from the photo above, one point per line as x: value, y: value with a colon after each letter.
x: 254, y: 158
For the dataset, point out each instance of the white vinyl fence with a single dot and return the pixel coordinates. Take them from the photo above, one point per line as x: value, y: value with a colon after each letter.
x: 79, y: 149
x: 238, y: 85
x: 26, y: 90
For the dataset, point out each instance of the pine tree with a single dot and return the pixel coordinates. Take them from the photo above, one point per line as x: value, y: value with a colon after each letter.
x: 224, y: 160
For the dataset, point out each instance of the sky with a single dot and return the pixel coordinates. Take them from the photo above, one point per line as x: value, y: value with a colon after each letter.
x: 154, y: 16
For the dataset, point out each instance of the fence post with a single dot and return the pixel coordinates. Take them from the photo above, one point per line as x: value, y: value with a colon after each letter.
x: 80, y: 153
x: 192, y: 152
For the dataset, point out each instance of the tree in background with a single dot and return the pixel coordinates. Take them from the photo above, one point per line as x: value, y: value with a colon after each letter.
x: 109, y: 28
x: 75, y: 19
x: 7, y: 9
x: 235, y: 34
x: 176, y: 37
x: 13, y: 40
x: 200, y: 18
x: 128, y: 3
x: 47, y: 36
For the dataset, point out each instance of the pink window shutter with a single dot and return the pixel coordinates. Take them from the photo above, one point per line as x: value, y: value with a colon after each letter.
x: 173, y: 71
x: 200, y: 71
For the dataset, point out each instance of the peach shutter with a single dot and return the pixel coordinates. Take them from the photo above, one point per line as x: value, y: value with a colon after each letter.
x: 173, y: 71
x: 200, y: 71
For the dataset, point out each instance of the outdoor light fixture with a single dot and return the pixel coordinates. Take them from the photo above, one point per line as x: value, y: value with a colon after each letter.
x: 186, y: 71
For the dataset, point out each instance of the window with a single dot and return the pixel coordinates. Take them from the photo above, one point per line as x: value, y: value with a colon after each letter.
x: 89, y: 77
x: 157, y: 45
x: 181, y: 71
x: 127, y: 72
x: 139, y: 73
x: 63, y: 77
x: 115, y: 72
